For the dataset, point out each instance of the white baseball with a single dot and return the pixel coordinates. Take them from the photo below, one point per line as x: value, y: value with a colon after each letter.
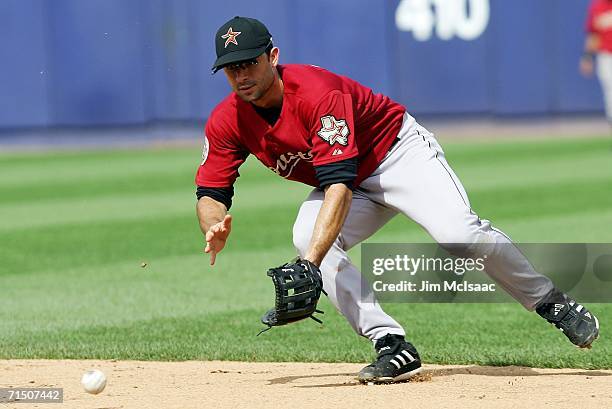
x: 93, y: 381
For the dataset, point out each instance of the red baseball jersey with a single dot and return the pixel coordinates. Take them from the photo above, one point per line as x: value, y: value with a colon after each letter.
x: 325, y: 118
x: 599, y: 21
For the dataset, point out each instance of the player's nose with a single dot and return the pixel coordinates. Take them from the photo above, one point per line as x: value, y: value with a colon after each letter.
x: 242, y: 75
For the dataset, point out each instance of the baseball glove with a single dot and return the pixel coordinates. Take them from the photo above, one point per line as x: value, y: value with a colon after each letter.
x: 298, y: 286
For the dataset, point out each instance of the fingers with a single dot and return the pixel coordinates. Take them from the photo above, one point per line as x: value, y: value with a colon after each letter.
x: 218, y: 231
x: 223, y: 226
x: 227, y: 222
x: 213, y: 254
x: 212, y: 232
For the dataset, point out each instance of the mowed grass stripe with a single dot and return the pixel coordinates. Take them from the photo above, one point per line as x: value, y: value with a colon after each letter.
x: 492, y: 151
x: 66, y: 246
x: 118, y: 293
x: 545, y: 173
x: 111, y: 208
x: 62, y: 246
x: 77, y: 168
x: 142, y: 205
x: 544, y: 201
x: 102, y: 186
x: 89, y: 167
x: 577, y: 227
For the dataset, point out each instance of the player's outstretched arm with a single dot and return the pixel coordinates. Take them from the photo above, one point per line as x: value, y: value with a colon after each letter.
x: 215, y: 223
x: 329, y: 222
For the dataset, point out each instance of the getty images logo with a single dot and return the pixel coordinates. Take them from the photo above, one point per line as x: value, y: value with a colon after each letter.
x: 465, y: 19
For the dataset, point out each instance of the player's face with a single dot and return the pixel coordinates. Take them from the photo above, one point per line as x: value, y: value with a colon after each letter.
x: 252, y: 79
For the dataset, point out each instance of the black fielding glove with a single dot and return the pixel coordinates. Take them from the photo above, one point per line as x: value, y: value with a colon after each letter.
x: 298, y: 286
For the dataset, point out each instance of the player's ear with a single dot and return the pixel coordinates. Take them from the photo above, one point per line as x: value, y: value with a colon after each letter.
x: 274, y: 56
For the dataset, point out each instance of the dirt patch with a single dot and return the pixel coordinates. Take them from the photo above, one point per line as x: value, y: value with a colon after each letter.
x: 133, y: 384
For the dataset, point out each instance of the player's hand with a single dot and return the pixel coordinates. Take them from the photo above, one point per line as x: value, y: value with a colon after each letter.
x: 216, y: 237
x: 586, y: 66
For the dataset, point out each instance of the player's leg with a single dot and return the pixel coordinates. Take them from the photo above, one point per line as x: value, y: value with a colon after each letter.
x: 604, y: 73
x: 417, y: 181
x: 397, y: 359
x: 342, y: 280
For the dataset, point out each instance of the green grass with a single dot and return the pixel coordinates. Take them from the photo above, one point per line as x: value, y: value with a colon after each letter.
x: 76, y: 226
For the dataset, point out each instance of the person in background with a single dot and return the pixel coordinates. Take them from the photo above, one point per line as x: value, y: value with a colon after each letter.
x: 597, y: 56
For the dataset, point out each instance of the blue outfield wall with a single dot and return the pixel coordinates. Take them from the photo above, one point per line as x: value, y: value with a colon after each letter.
x: 118, y: 62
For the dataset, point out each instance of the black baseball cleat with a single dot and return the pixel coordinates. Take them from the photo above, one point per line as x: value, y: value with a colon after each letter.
x: 397, y: 360
x: 573, y: 319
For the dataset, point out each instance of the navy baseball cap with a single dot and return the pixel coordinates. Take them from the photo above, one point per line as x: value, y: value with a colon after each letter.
x: 240, y: 39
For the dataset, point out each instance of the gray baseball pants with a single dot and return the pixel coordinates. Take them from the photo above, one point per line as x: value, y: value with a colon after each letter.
x: 415, y: 180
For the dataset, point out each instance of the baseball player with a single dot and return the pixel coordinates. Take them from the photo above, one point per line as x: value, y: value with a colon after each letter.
x: 599, y: 43
x: 367, y: 160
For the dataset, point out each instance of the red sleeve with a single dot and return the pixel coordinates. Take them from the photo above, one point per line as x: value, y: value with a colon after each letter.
x: 333, y: 130
x: 590, y: 21
x: 221, y: 158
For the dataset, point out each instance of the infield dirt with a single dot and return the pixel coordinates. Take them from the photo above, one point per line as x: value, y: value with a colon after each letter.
x: 185, y: 385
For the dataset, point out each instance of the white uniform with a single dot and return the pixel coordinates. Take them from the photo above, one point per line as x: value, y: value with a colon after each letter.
x: 415, y: 180
x: 604, y: 73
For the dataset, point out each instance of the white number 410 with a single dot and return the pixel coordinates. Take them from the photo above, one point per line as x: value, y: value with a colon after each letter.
x: 466, y: 19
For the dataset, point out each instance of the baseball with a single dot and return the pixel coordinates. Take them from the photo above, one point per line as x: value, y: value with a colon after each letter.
x: 93, y: 381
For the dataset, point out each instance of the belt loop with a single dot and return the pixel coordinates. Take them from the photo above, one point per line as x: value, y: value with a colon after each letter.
x: 395, y: 141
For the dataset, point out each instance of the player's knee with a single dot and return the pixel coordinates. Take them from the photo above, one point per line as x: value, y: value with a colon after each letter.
x: 459, y: 249
x: 469, y: 242
x: 458, y: 238
x: 461, y: 243
x: 301, y: 238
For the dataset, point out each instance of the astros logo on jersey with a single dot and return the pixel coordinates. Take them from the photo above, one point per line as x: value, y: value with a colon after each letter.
x: 334, y: 130
x: 287, y: 161
x: 230, y: 36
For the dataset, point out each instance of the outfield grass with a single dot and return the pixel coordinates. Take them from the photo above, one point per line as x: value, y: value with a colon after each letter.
x: 76, y: 226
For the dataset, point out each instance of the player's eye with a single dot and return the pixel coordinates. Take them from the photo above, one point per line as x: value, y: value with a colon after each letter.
x: 242, y: 65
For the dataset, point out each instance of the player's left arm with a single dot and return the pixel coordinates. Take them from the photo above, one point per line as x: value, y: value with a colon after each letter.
x: 329, y: 221
x: 336, y: 164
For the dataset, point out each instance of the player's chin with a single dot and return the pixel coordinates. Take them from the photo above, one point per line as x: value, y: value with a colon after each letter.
x: 249, y: 95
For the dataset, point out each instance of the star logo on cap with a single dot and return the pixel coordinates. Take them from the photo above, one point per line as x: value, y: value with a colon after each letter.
x: 230, y: 36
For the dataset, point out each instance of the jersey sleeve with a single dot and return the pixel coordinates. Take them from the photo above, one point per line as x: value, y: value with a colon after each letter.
x: 221, y: 158
x: 333, y: 130
x: 590, y: 20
